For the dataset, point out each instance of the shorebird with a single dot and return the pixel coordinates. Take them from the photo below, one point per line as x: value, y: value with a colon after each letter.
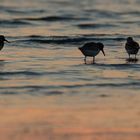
x: 132, y: 47
x: 92, y: 49
x: 2, y: 39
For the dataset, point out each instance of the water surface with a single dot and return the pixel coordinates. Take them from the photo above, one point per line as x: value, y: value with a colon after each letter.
x: 42, y: 67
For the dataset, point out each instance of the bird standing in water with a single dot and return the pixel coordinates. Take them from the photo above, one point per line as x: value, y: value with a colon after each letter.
x: 92, y: 49
x: 132, y: 47
x: 2, y: 39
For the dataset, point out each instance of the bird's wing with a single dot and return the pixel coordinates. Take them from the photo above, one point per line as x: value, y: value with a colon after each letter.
x: 127, y: 46
x: 132, y: 45
x: 90, y: 46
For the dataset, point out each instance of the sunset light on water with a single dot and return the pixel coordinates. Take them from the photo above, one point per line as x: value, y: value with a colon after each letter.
x: 47, y: 91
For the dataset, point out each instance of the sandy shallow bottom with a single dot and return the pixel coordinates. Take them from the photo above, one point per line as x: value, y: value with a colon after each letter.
x: 106, y: 119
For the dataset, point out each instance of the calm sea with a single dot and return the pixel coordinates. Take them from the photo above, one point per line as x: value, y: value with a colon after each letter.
x: 43, y: 57
x: 47, y: 92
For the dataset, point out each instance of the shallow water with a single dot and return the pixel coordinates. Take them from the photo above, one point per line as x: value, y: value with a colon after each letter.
x: 43, y: 60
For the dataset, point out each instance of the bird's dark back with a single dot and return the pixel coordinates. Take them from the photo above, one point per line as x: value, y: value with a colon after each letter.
x: 132, y: 47
x: 90, y: 45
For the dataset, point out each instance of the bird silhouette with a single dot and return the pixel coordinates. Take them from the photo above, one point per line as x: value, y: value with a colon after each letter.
x: 91, y: 49
x: 132, y: 47
x: 2, y: 39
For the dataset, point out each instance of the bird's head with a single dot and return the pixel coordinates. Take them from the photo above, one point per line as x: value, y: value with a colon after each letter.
x: 129, y: 39
x: 101, y: 47
x: 2, y: 39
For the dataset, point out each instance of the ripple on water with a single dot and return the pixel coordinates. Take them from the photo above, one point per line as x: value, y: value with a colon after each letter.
x: 71, y: 40
x: 13, y: 23
x: 95, y: 25
x: 17, y: 73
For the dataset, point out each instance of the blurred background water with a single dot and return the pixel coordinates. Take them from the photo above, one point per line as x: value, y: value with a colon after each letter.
x: 43, y: 68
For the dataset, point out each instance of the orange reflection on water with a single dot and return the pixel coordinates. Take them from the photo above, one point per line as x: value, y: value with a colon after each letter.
x: 67, y: 123
x: 115, y: 74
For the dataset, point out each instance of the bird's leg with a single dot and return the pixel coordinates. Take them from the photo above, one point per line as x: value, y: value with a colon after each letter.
x: 129, y: 56
x: 135, y: 57
x: 93, y: 59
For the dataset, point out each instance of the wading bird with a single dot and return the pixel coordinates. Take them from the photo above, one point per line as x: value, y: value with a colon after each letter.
x: 132, y: 47
x: 2, y: 39
x: 91, y: 49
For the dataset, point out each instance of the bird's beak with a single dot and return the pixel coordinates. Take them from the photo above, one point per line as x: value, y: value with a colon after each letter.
x: 103, y: 52
x: 6, y: 40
